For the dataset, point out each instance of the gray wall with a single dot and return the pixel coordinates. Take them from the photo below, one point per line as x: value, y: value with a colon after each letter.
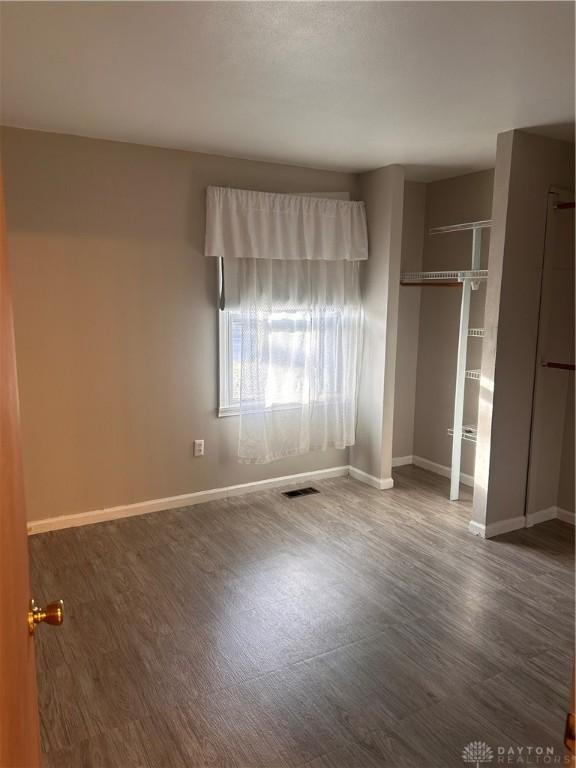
x: 565, y: 497
x: 383, y: 192
x: 451, y: 201
x: 551, y: 468
x: 116, y: 323
x: 526, y: 167
x: 413, y: 221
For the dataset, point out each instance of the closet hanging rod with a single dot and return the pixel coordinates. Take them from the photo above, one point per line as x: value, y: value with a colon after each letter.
x: 460, y: 227
x: 563, y: 206
x: 560, y: 366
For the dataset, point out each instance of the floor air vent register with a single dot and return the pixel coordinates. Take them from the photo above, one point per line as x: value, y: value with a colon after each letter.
x: 299, y: 492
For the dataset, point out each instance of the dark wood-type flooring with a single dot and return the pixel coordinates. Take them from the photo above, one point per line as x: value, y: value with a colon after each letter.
x: 349, y: 629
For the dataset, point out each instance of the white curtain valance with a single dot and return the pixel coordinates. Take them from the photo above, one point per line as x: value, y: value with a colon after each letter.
x: 262, y: 225
x: 288, y: 285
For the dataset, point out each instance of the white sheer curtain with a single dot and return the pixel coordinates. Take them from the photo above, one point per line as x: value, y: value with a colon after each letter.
x: 300, y: 317
x: 301, y: 330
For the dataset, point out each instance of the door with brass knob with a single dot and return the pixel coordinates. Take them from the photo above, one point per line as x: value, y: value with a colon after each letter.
x: 19, y: 727
x: 52, y: 614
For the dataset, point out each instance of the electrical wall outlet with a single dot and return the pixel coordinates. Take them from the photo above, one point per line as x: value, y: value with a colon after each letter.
x: 198, y: 447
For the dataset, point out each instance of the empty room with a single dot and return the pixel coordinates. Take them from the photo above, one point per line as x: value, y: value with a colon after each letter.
x: 287, y: 437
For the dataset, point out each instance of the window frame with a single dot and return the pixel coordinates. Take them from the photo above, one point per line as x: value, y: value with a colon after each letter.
x: 226, y: 406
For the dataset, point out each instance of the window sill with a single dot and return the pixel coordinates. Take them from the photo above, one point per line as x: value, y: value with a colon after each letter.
x: 227, y: 411
x: 233, y: 410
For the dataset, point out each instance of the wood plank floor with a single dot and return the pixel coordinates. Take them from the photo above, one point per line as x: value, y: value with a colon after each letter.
x: 349, y: 629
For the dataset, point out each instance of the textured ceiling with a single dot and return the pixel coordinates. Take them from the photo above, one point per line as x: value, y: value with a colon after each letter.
x: 350, y: 86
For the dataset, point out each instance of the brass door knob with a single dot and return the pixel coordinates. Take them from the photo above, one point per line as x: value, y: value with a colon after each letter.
x: 52, y: 614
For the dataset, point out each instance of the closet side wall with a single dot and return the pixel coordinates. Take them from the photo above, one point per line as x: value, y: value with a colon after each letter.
x: 552, y: 414
x: 383, y: 192
x: 451, y: 201
x: 408, y: 321
x: 526, y: 167
x: 565, y: 499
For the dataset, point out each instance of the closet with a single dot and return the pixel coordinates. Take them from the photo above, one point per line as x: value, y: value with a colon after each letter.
x: 444, y: 274
x: 467, y: 280
x: 443, y: 280
x: 550, y: 487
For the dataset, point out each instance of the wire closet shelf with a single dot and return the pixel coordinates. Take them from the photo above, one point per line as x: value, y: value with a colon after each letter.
x: 445, y: 277
x: 469, y: 432
x: 468, y: 280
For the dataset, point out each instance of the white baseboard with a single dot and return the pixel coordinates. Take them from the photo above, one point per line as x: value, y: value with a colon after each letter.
x: 494, y: 529
x: 200, y: 497
x: 439, y: 469
x: 478, y: 529
x: 550, y: 513
x: 541, y: 516
x: 566, y: 516
x: 505, y: 526
x: 515, y: 523
x: 381, y: 483
x: 402, y: 461
x: 498, y: 528
x: 174, y: 502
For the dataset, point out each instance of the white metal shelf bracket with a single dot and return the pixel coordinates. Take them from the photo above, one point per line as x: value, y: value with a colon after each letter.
x: 467, y: 287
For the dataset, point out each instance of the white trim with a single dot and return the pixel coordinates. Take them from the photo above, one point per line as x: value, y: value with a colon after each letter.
x: 200, y: 497
x: 402, y: 461
x: 478, y: 529
x: 225, y: 406
x: 460, y: 384
x: 515, y: 523
x: 496, y: 529
x: 382, y: 483
x: 550, y: 513
x: 225, y: 411
x: 440, y: 469
x: 505, y: 526
x: 541, y: 516
x: 234, y: 410
x: 566, y: 516
x: 174, y: 502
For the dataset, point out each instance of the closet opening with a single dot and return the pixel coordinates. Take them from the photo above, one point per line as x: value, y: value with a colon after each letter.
x: 446, y: 233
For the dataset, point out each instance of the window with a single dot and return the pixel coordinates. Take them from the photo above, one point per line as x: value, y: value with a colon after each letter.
x: 290, y: 318
x: 289, y: 337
